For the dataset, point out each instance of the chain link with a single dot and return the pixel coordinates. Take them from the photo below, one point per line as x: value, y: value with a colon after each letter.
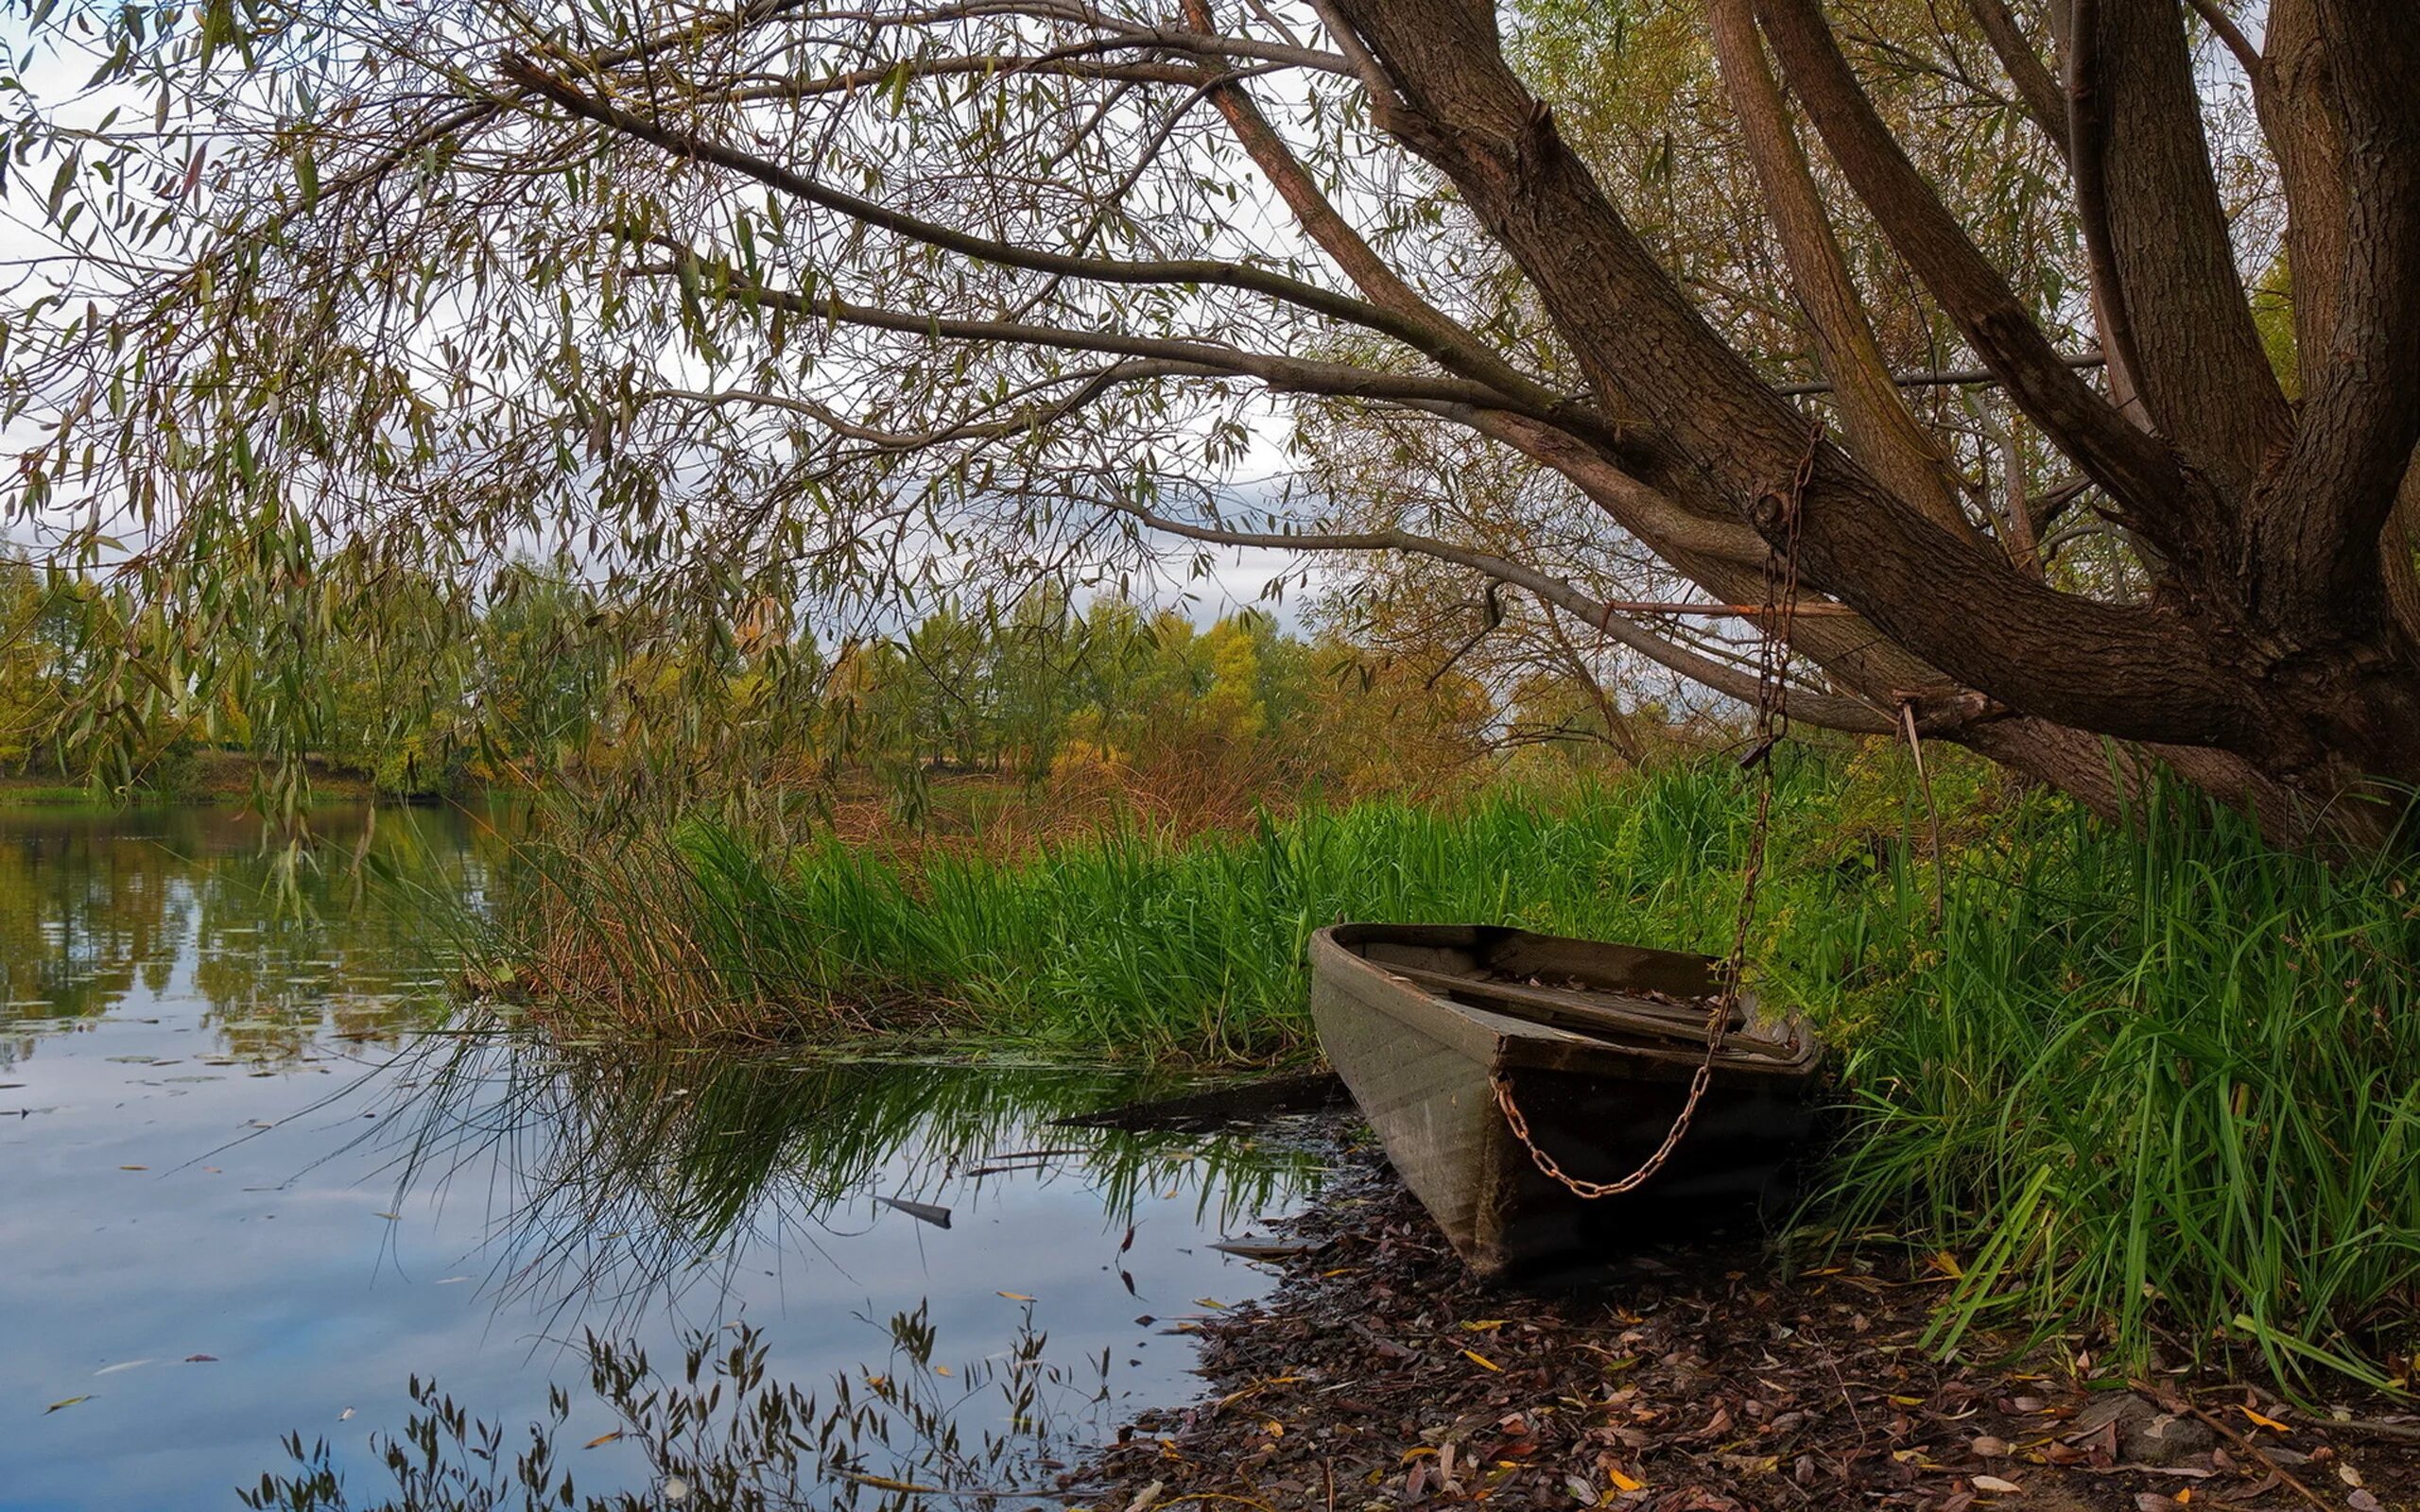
x: 1773, y: 725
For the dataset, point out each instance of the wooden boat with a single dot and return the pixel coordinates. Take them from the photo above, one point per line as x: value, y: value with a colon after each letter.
x: 1597, y: 1044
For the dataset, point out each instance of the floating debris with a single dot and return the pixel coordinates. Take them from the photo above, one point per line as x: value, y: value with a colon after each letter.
x: 922, y: 1212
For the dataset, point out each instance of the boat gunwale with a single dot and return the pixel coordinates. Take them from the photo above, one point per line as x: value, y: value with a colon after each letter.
x: 1516, y: 1043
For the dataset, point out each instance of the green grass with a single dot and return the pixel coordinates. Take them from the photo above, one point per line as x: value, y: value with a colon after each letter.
x: 2152, y: 1080
x: 2169, y: 1077
x: 1126, y: 945
x: 27, y: 793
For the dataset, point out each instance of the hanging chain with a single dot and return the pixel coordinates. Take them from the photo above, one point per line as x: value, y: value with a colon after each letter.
x: 1780, y: 612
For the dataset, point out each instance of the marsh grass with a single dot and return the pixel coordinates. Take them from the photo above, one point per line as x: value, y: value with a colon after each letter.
x: 1130, y: 942
x: 2150, y: 1084
x: 2160, y: 1078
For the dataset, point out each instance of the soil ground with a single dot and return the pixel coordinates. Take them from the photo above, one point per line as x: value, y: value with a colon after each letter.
x: 1712, y: 1378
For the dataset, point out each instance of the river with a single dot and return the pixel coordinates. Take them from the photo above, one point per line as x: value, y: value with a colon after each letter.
x: 260, y: 1173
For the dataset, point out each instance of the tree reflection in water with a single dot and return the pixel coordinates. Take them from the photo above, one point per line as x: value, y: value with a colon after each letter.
x: 283, y: 942
x: 722, y: 1435
x: 623, y: 1178
x: 626, y: 1174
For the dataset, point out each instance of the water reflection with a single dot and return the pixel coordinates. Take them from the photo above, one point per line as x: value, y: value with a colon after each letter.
x: 261, y: 1180
x: 281, y: 942
x: 629, y: 1178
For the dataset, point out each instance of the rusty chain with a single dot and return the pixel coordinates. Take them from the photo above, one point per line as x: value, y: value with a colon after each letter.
x: 1773, y: 723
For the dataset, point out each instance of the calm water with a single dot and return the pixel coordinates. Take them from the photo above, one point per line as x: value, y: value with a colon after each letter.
x: 256, y: 1174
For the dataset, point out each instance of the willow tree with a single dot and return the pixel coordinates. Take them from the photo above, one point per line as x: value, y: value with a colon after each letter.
x: 830, y: 297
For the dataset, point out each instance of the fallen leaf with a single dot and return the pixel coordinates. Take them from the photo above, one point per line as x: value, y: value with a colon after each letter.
x: 342, y: 1415
x: 201, y: 1359
x: 1622, y: 1482
x: 66, y: 1402
x: 1997, y: 1486
x: 1476, y: 1358
x: 1986, y: 1447
x: 134, y: 1168
x: 941, y: 1370
x: 603, y: 1438
x: 2364, y: 1501
x: 2270, y: 1424
x: 122, y: 1364
x: 1211, y: 1302
x: 391, y: 1217
x: 1016, y: 1296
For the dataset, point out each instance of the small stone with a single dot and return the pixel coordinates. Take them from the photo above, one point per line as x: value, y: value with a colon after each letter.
x: 2169, y: 1439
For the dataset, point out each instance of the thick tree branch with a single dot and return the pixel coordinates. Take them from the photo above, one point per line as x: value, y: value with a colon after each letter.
x: 1827, y: 710
x: 1663, y: 525
x: 2319, y: 516
x: 2037, y: 89
x: 2133, y: 467
x: 2230, y: 35
x: 1883, y: 434
x: 2152, y: 217
x: 1311, y: 207
x: 2295, y: 98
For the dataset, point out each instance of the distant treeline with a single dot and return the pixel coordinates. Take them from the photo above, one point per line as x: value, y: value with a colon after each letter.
x: 420, y: 691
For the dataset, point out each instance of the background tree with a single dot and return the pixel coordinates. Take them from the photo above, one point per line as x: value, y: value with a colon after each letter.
x: 830, y: 303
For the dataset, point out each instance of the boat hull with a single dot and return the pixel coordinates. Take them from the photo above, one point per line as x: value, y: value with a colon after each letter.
x: 1420, y: 1067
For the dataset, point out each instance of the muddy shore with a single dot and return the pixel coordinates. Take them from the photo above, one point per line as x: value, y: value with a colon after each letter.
x: 1700, y: 1378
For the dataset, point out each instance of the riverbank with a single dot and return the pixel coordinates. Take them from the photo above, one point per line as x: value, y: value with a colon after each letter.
x: 1708, y: 1376
x: 2154, y: 1080
x: 207, y: 777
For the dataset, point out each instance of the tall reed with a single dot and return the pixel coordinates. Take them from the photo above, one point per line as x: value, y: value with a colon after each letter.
x: 2160, y: 1076
x: 1127, y: 944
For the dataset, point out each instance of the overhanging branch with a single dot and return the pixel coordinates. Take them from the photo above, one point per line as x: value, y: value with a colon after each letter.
x: 1828, y: 709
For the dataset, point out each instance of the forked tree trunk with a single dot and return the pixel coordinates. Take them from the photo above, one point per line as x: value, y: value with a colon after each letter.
x: 2272, y: 665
